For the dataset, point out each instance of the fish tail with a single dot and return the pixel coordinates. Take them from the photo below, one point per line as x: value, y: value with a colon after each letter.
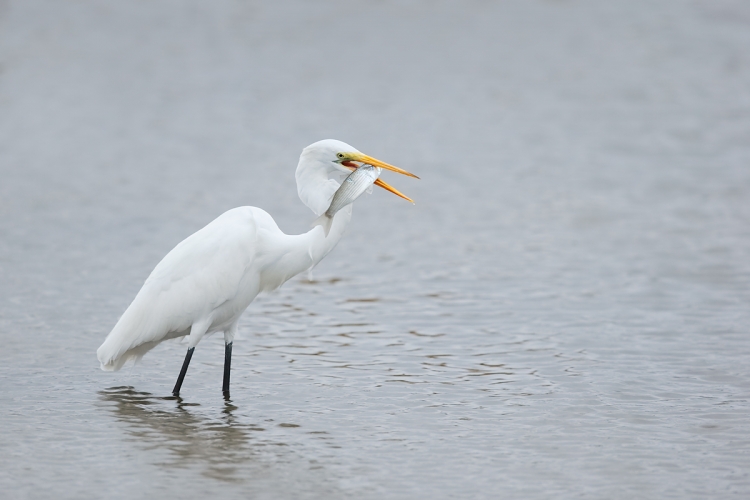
x: 325, y: 222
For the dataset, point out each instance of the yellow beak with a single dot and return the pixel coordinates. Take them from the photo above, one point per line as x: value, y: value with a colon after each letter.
x: 377, y: 163
x: 392, y: 189
x: 369, y: 160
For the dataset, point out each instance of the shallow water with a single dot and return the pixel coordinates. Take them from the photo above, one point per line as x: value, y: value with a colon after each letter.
x: 564, y: 312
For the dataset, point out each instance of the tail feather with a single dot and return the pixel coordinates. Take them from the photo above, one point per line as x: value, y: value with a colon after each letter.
x: 114, y: 354
x: 133, y: 355
x: 325, y: 222
x: 119, y: 348
x: 133, y: 336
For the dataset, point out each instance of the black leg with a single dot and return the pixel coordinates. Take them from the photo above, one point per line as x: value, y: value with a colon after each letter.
x: 227, y: 368
x: 176, y: 390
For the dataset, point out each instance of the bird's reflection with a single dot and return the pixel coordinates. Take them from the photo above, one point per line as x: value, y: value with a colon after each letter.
x: 221, y: 446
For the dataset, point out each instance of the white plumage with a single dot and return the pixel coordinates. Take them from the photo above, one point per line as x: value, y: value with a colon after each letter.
x: 207, y: 281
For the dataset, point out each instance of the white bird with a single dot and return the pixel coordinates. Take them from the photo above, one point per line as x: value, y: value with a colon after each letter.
x: 208, y: 280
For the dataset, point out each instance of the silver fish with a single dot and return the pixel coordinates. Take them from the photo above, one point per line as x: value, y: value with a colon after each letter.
x: 352, y: 188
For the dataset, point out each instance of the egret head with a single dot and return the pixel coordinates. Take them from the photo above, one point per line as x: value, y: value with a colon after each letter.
x: 335, y: 160
x: 329, y: 154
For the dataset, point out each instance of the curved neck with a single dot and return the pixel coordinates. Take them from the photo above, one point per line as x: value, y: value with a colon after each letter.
x: 320, y: 244
x: 302, y: 252
x: 317, y: 182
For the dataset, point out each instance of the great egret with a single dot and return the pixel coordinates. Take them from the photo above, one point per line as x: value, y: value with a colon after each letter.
x: 208, y: 280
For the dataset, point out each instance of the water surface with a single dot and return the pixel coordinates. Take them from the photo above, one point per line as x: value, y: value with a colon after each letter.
x: 563, y: 314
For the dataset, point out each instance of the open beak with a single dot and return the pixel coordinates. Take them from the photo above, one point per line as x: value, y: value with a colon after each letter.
x: 377, y: 163
x: 369, y: 160
x: 392, y: 189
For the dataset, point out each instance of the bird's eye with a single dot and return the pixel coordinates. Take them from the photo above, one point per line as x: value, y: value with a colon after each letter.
x: 340, y: 155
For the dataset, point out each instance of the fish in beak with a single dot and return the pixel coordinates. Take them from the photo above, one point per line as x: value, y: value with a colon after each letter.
x: 348, y: 160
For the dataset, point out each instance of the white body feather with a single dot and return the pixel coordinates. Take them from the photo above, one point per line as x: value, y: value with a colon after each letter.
x: 206, y: 282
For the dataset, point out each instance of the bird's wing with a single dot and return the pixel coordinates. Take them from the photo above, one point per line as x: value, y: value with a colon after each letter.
x: 207, y: 269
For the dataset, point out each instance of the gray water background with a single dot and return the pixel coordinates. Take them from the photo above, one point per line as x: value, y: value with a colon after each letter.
x: 563, y: 314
